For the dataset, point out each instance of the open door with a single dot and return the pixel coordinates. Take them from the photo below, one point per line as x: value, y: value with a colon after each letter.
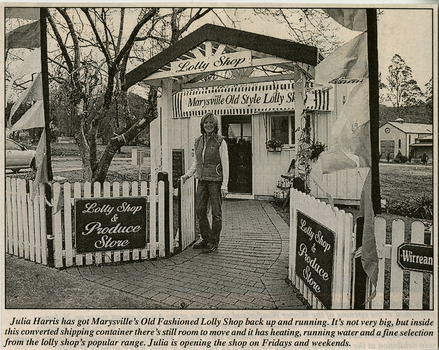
x: 237, y: 131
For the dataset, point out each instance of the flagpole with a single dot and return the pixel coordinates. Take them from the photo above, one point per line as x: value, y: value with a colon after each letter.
x: 45, y: 80
x: 372, y: 48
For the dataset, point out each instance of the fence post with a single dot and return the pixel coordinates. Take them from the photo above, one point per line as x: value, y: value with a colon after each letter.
x: 360, y: 285
x: 49, y: 225
x: 180, y: 235
x: 163, y: 176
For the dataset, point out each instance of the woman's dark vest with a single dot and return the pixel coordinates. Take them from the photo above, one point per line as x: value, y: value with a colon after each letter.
x: 209, y: 168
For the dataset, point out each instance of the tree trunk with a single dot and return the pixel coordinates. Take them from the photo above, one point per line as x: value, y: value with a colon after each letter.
x: 115, y: 143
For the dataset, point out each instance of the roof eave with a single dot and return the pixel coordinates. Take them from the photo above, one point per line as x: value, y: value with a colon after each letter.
x: 274, y: 46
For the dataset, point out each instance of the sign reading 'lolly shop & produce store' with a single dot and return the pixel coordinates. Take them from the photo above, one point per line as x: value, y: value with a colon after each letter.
x: 315, y: 257
x: 110, y: 224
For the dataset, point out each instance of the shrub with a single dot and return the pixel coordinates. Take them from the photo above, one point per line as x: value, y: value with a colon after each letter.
x: 400, y: 158
x: 420, y: 207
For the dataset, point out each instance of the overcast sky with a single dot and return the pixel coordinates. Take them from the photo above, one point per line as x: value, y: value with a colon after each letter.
x: 409, y: 34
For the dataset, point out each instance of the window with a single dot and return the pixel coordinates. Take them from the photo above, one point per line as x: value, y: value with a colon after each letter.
x: 399, y: 143
x: 282, y: 128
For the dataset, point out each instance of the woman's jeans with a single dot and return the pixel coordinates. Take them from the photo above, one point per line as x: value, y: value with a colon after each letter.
x: 209, y: 191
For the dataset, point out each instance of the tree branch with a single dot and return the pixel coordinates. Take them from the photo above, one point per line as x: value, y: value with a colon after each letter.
x: 98, y: 37
x: 60, y: 42
x: 150, y: 14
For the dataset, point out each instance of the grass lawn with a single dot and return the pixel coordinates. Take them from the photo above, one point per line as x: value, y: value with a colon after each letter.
x: 71, y: 150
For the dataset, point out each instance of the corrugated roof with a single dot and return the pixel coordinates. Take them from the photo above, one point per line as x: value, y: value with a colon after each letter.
x: 413, y: 128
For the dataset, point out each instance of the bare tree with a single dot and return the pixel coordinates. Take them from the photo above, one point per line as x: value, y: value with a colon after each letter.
x: 95, y: 48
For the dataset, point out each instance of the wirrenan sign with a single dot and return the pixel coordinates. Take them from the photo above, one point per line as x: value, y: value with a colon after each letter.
x: 315, y: 257
x: 416, y: 257
x: 110, y: 224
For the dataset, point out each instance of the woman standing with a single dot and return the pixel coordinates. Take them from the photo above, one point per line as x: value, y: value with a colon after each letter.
x: 211, y: 168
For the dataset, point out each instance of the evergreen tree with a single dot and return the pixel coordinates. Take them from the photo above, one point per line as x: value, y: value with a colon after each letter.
x: 403, y: 90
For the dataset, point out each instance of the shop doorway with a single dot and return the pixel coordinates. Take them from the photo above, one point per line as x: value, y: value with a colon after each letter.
x: 237, y: 131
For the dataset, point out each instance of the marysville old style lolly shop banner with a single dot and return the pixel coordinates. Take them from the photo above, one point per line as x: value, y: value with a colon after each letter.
x: 110, y: 224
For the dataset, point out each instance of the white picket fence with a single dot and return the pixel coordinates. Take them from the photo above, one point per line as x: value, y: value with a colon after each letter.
x: 26, y: 234
x: 341, y: 224
x: 417, y: 292
x: 63, y: 228
x: 25, y: 221
x: 188, y: 231
x: 396, y: 288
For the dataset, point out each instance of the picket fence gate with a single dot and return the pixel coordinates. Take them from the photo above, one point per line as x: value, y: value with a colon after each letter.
x: 341, y: 224
x: 413, y: 289
x: 26, y: 231
x: 396, y: 288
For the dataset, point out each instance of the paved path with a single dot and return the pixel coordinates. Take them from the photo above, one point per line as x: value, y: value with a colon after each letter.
x: 248, y: 271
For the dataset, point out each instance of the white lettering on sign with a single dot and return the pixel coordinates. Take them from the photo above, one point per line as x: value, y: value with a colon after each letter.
x: 312, y: 262
x: 408, y: 256
x: 109, y: 242
x: 213, y: 63
x: 128, y: 208
x: 318, y: 237
x: 97, y: 228
x: 93, y: 208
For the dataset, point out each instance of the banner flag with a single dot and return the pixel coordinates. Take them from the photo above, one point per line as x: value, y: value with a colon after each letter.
x: 33, y: 93
x: 349, y: 61
x: 24, y: 37
x: 33, y: 118
x: 29, y: 13
x: 369, y: 255
x: 41, y: 162
x: 354, y: 19
x: 350, y: 134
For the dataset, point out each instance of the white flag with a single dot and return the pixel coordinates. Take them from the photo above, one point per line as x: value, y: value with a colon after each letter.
x: 33, y: 93
x: 33, y: 118
x: 350, y: 135
x: 349, y: 61
x: 41, y: 162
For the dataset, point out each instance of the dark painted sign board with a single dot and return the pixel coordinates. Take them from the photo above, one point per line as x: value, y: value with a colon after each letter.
x: 416, y: 257
x: 315, y: 257
x: 103, y: 224
x: 177, y: 166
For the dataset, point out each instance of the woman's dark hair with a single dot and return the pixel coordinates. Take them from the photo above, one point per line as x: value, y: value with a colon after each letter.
x: 214, y: 118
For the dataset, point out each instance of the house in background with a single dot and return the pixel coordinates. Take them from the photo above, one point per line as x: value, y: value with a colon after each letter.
x: 420, y: 146
x: 398, y: 136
